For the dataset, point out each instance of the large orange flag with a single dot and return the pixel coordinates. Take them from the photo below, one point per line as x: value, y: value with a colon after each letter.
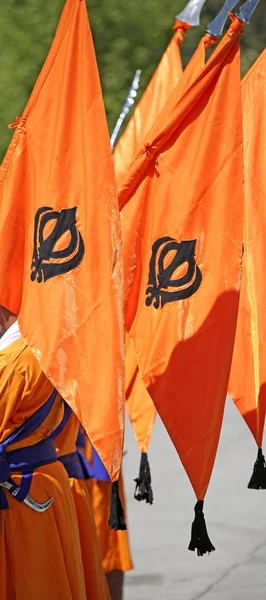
x: 182, y: 263
x: 152, y: 101
x: 60, y: 263
x: 142, y: 413
x: 247, y: 384
x: 140, y: 406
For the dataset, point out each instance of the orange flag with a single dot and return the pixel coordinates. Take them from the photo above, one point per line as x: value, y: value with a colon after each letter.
x: 182, y: 261
x: 247, y: 384
x: 152, y: 101
x: 189, y: 75
x: 140, y: 406
x: 60, y: 263
x: 142, y: 413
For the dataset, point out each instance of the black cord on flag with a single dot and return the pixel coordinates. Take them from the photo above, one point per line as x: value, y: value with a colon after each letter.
x: 116, y: 517
x: 143, y: 489
x: 200, y: 540
x: 258, y: 477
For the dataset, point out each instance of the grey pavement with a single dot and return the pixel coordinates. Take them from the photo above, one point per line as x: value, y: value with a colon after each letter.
x: 235, y: 516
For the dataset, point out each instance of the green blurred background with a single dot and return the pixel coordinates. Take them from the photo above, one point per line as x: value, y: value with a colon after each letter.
x: 128, y: 35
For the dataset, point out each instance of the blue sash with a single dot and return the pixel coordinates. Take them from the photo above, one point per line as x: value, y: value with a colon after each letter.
x: 26, y: 460
x: 76, y: 463
x: 97, y: 469
x: 81, y: 440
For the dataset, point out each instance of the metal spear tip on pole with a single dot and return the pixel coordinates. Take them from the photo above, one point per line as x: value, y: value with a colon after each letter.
x: 246, y: 10
x: 216, y: 26
x: 191, y: 13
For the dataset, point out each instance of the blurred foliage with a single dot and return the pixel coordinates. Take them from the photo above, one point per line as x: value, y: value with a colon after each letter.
x: 127, y: 35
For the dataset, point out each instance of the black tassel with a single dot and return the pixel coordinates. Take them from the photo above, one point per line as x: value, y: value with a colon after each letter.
x: 199, y: 535
x: 143, y: 489
x: 116, y: 517
x: 258, y: 477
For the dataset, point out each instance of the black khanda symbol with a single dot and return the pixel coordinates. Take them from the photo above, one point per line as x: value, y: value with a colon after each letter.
x: 161, y: 287
x: 46, y: 261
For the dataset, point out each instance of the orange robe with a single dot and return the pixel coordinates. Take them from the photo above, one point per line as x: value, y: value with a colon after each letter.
x: 114, y: 545
x: 96, y: 586
x: 40, y: 554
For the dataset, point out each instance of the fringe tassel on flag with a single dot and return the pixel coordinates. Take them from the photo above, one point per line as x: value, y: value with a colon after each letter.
x: 116, y: 517
x: 200, y: 540
x: 258, y: 477
x: 143, y: 489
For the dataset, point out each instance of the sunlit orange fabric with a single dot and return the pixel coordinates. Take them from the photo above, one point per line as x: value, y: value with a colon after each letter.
x: 187, y: 184
x: 114, y: 545
x: 140, y: 407
x: 96, y: 586
x: 60, y: 157
x: 192, y: 70
x: 247, y: 384
x: 40, y: 555
x: 152, y: 101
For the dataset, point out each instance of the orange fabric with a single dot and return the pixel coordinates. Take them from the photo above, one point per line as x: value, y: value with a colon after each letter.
x: 152, y: 101
x: 188, y: 188
x: 60, y: 159
x: 141, y: 409
x: 40, y: 554
x: 247, y: 384
x: 192, y: 70
x: 24, y: 388
x: 140, y: 406
x: 114, y: 545
x: 181, y: 28
x: 96, y: 586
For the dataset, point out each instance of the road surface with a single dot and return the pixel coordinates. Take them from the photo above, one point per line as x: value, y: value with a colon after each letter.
x: 235, y: 516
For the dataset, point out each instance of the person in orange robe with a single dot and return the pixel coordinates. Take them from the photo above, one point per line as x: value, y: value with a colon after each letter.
x: 96, y: 586
x: 114, y: 545
x: 40, y: 555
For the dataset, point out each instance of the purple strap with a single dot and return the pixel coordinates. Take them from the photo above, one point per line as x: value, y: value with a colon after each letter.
x: 81, y: 440
x: 99, y: 471
x: 66, y: 417
x: 74, y: 467
x: 85, y: 465
x: 26, y: 459
x: 24, y: 487
x: 76, y: 463
x: 42, y: 453
x: 31, y: 424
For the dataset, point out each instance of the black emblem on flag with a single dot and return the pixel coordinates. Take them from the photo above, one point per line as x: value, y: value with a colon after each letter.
x: 58, y: 245
x: 167, y: 257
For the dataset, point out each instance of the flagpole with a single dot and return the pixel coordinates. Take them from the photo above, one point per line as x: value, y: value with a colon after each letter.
x: 191, y: 16
x: 130, y: 99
